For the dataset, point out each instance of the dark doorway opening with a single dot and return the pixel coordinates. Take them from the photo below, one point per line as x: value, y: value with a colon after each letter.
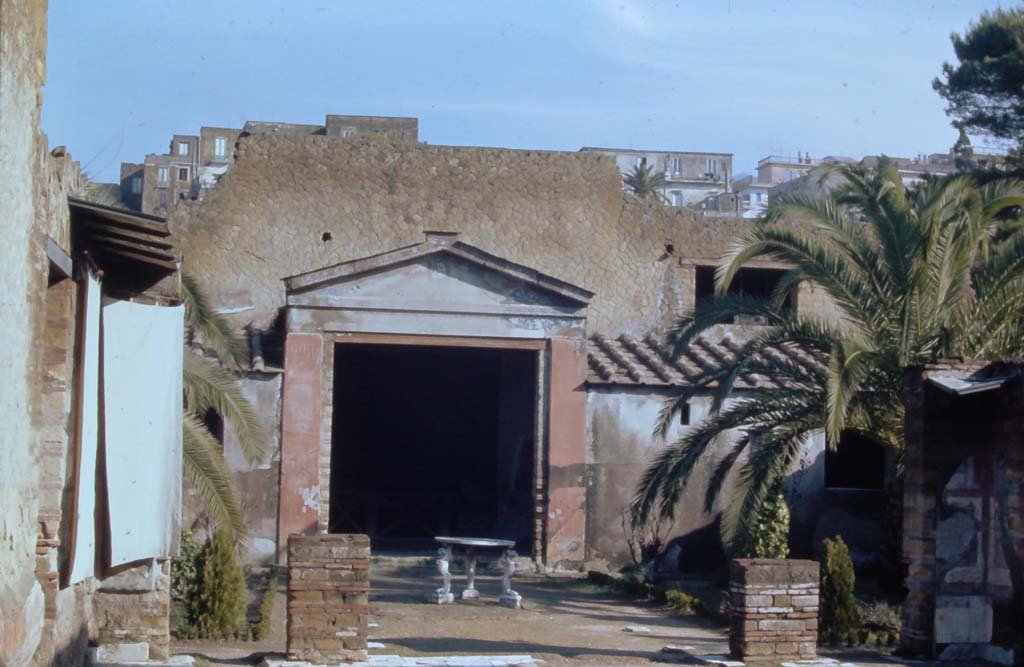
x: 432, y: 441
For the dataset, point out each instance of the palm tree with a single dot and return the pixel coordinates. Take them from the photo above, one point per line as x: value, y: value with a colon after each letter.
x: 934, y: 272
x: 211, y: 361
x: 644, y: 182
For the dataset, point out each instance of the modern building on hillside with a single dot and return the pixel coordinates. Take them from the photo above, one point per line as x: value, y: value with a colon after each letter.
x: 194, y: 163
x: 748, y: 196
x: 689, y: 176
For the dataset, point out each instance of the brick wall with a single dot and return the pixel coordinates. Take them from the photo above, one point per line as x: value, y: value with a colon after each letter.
x: 328, y: 597
x: 774, y: 609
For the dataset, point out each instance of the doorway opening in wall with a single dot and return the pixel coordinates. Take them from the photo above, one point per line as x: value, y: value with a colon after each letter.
x: 433, y: 440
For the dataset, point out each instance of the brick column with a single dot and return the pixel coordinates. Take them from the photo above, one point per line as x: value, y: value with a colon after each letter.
x: 328, y: 597
x: 920, y: 523
x: 567, y: 451
x: 774, y: 609
x: 299, y: 487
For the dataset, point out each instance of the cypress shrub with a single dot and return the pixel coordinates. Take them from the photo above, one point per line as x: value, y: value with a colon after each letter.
x: 840, y: 618
x: 219, y: 606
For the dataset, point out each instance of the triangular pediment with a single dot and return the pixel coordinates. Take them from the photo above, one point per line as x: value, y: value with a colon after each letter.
x: 438, y: 275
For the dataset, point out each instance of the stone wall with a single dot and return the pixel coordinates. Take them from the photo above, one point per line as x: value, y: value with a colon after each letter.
x: 132, y: 606
x: 36, y: 617
x: 328, y: 597
x: 773, y: 609
x: 294, y: 204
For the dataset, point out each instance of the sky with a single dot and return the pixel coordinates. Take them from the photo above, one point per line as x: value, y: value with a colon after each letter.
x: 829, y: 77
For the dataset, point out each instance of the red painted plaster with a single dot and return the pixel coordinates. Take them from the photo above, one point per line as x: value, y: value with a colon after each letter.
x: 568, y: 410
x: 567, y: 433
x: 299, y: 488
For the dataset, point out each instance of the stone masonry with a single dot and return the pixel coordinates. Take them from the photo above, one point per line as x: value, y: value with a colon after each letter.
x: 328, y: 597
x: 774, y: 609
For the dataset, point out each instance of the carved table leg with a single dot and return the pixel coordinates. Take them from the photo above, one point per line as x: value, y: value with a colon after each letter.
x: 443, y: 595
x: 509, y: 598
x: 471, y: 591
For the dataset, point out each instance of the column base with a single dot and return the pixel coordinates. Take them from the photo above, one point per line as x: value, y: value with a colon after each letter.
x: 513, y: 600
x: 440, y: 598
x: 470, y: 594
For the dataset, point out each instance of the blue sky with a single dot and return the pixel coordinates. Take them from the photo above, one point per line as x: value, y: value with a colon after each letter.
x: 741, y: 76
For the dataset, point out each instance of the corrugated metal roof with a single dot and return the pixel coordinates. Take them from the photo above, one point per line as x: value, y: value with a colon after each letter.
x: 631, y: 361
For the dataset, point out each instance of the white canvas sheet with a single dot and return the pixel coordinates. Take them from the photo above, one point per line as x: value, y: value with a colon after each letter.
x: 84, y: 557
x: 142, y: 393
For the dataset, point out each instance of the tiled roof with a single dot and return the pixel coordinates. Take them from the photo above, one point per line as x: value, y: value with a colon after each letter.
x: 627, y: 360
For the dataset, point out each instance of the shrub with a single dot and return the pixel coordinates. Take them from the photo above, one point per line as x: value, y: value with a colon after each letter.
x: 185, y: 584
x: 682, y: 603
x: 262, y: 624
x: 219, y: 607
x: 839, y: 617
x: 769, y: 536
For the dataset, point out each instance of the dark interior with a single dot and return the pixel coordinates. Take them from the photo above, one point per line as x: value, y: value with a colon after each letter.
x: 758, y: 283
x: 858, y: 462
x: 432, y: 441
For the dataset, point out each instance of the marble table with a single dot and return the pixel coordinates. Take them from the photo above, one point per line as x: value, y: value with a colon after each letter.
x: 470, y: 546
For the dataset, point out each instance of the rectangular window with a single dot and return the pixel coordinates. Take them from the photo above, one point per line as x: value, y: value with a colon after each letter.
x: 182, y: 148
x: 182, y: 173
x: 677, y: 165
x: 220, y: 147
x: 162, y: 198
x: 712, y: 166
x: 677, y: 198
x: 641, y: 162
x: 162, y: 175
x: 755, y: 282
x: 136, y: 185
x: 789, y: 175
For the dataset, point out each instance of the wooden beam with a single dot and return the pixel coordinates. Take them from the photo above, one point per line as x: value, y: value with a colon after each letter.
x: 58, y: 258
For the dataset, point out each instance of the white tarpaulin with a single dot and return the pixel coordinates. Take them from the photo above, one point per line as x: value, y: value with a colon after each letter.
x: 84, y: 557
x: 142, y: 394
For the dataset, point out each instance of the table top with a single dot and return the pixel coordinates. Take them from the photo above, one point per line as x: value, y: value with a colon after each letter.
x: 476, y: 542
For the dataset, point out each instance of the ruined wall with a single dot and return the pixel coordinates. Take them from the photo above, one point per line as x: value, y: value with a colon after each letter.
x: 295, y: 204
x: 963, y: 522
x: 35, y: 619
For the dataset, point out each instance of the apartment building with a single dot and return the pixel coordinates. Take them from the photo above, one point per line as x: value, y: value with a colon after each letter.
x: 689, y: 176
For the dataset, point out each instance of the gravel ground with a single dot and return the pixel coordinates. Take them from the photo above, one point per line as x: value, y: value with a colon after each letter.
x: 565, y: 621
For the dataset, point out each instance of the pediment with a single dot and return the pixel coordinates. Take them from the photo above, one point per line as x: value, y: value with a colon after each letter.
x: 439, y: 275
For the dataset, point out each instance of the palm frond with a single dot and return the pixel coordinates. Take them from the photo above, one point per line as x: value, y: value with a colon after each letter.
x: 210, y: 477
x: 213, y: 329
x: 210, y: 387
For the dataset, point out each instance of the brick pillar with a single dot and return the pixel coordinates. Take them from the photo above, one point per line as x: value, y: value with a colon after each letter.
x: 920, y: 523
x: 299, y: 486
x: 567, y: 452
x: 328, y: 597
x: 774, y: 609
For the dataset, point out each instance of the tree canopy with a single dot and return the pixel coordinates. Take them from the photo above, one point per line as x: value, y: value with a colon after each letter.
x: 985, y: 90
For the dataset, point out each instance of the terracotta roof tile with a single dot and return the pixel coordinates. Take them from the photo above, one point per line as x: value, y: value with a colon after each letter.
x: 631, y: 361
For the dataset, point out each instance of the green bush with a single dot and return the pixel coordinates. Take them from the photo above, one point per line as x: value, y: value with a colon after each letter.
x: 184, y: 584
x: 840, y: 619
x: 218, y: 608
x: 769, y: 536
x: 262, y: 624
x: 682, y: 603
